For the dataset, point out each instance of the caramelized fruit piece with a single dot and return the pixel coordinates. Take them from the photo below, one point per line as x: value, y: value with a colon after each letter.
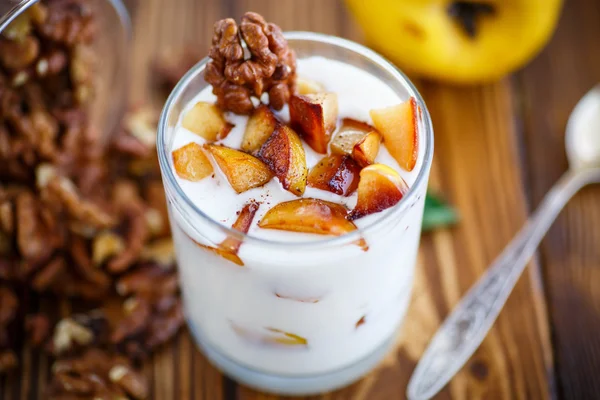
x: 351, y: 124
x: 344, y: 141
x: 223, y: 253
x: 399, y: 126
x: 308, y: 216
x: 380, y: 187
x: 314, y: 116
x: 366, y: 149
x: 191, y: 163
x: 357, y: 139
x: 242, y: 224
x: 229, y: 247
x: 284, y: 154
x: 362, y: 243
x: 269, y: 336
x: 243, y: 171
x: 349, y: 134
x: 261, y: 125
x: 286, y: 338
x: 206, y: 120
x: 306, y: 86
x: 300, y: 299
x: 360, y: 322
x: 336, y: 174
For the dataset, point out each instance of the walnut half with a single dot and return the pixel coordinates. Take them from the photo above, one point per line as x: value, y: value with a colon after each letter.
x: 268, y: 66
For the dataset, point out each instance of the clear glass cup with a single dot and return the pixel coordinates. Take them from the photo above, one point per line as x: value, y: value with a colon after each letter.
x: 297, y: 318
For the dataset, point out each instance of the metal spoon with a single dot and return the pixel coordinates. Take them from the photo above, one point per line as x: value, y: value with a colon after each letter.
x: 467, y: 326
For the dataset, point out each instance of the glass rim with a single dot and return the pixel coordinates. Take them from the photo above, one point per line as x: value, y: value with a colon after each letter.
x: 12, y: 9
x: 170, y: 181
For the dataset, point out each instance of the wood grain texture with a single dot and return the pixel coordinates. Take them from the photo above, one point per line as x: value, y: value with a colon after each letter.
x: 498, y: 150
x: 549, y: 88
x: 474, y: 128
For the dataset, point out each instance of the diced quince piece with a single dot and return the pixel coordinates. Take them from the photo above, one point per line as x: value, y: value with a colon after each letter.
x: 399, y: 126
x: 223, y: 253
x: 336, y: 174
x: 206, y: 120
x: 309, y: 216
x: 306, y: 86
x: 360, y: 322
x: 220, y: 252
x: 191, y: 163
x: 261, y: 125
x: 243, y: 171
x: 343, y: 142
x: 284, y: 154
x: 300, y: 299
x: 366, y: 149
x: 314, y: 116
x: 357, y: 139
x: 229, y: 247
x: 285, y: 338
x: 351, y: 124
x: 380, y: 187
x: 269, y: 336
x: 242, y: 224
x: 245, y: 217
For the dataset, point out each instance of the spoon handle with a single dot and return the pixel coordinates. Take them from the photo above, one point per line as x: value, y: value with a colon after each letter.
x: 464, y: 330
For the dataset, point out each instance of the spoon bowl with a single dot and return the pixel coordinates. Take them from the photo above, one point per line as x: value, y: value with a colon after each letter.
x: 583, y: 131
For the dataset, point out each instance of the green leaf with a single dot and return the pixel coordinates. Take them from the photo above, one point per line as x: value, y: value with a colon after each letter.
x: 437, y: 213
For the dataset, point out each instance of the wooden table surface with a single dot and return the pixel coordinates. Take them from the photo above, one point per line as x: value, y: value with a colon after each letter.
x: 499, y: 148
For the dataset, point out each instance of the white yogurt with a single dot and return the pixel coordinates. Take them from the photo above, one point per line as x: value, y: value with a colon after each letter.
x: 317, y: 293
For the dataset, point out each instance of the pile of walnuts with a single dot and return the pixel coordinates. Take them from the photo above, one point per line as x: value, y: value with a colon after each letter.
x: 79, y: 221
x: 46, y: 80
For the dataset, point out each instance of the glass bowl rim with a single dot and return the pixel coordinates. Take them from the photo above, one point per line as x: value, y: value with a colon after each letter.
x: 348, y: 238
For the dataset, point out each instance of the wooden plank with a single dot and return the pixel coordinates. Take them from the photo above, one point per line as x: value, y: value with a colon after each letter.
x: 477, y: 167
x: 549, y: 88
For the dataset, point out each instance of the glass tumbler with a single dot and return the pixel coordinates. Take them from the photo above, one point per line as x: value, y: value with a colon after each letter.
x: 297, y: 318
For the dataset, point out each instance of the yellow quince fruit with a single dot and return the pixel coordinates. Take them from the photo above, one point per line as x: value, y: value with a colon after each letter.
x: 457, y: 41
